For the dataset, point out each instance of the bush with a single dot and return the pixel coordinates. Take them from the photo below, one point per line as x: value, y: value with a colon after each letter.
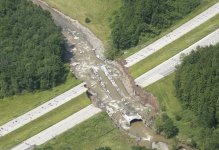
x: 178, y: 118
x: 164, y: 125
x: 104, y: 148
x: 140, y: 148
x: 87, y: 20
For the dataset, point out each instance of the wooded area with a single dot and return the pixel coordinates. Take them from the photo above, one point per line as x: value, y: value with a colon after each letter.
x: 146, y: 18
x: 31, y: 48
x: 197, y: 87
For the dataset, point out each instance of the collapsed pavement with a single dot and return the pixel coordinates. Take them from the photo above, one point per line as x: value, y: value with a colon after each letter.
x: 111, y: 87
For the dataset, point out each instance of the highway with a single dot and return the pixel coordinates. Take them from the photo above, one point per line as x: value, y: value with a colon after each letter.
x: 42, y: 109
x: 146, y: 79
x: 169, y: 65
x: 172, y: 36
x: 58, y: 128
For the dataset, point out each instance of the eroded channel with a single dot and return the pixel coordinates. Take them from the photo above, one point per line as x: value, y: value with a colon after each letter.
x: 111, y: 88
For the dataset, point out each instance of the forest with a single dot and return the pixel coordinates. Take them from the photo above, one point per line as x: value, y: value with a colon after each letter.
x: 197, y: 87
x: 31, y: 48
x: 138, y: 19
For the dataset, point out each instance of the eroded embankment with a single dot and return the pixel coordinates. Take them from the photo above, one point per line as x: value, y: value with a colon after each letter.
x: 111, y: 87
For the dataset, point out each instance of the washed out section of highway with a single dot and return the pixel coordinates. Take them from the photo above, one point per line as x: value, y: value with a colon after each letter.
x: 169, y: 65
x: 58, y: 128
x: 102, y: 77
x: 42, y: 109
x: 107, y: 82
x: 172, y: 36
x: 148, y: 78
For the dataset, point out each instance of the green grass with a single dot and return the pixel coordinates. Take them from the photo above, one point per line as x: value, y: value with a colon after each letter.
x: 99, y: 11
x: 188, y: 126
x: 164, y: 90
x: 43, y: 122
x: 175, y: 47
x: 144, y: 42
x: 96, y: 132
x: 12, y: 107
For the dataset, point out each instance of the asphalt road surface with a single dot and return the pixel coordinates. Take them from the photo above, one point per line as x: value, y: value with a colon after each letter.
x: 169, y: 65
x: 172, y: 36
x: 42, y: 109
x: 58, y: 128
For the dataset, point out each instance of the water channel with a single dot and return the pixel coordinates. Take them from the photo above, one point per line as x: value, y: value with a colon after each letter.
x: 106, y: 80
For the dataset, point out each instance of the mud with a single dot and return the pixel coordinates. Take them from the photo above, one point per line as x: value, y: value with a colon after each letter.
x: 110, y: 85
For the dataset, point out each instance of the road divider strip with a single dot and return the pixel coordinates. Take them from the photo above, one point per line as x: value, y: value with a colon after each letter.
x: 42, y: 109
x: 169, y: 65
x: 172, y: 36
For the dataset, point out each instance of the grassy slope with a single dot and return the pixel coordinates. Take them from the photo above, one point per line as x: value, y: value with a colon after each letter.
x: 204, y: 5
x: 12, y: 107
x: 44, y: 122
x: 175, y: 47
x: 93, y: 133
x: 164, y: 90
x: 99, y: 11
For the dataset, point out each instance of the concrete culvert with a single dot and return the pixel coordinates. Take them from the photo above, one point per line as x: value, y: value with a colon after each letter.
x: 89, y: 94
x: 135, y: 120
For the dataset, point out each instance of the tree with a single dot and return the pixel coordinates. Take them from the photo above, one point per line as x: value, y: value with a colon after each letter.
x: 197, y: 86
x: 31, y: 48
x: 146, y: 18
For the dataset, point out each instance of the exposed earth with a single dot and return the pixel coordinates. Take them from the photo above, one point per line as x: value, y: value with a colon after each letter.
x: 110, y: 86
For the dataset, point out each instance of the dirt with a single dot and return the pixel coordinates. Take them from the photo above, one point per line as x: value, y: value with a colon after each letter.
x: 110, y: 85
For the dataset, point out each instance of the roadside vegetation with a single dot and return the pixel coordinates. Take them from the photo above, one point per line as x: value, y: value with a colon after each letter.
x: 14, y: 106
x: 146, y: 18
x: 190, y: 99
x: 143, y: 42
x: 101, y: 15
x: 31, y: 49
x: 94, y: 133
x: 12, y: 139
x: 175, y: 47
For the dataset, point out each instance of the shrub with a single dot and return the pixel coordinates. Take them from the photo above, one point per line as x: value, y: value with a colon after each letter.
x: 87, y: 20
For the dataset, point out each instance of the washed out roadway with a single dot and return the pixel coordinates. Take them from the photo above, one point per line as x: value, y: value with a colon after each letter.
x: 167, y: 39
x: 142, y: 81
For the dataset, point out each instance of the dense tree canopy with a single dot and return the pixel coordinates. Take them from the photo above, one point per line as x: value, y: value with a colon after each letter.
x: 31, y: 48
x: 146, y: 18
x: 197, y: 84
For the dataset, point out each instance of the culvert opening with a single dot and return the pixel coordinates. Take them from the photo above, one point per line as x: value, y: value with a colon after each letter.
x: 135, y: 121
x: 89, y: 94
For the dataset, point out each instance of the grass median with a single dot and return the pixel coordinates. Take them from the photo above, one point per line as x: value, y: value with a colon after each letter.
x: 205, y: 4
x: 12, y: 139
x: 96, y: 132
x: 12, y: 107
x: 175, y: 47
